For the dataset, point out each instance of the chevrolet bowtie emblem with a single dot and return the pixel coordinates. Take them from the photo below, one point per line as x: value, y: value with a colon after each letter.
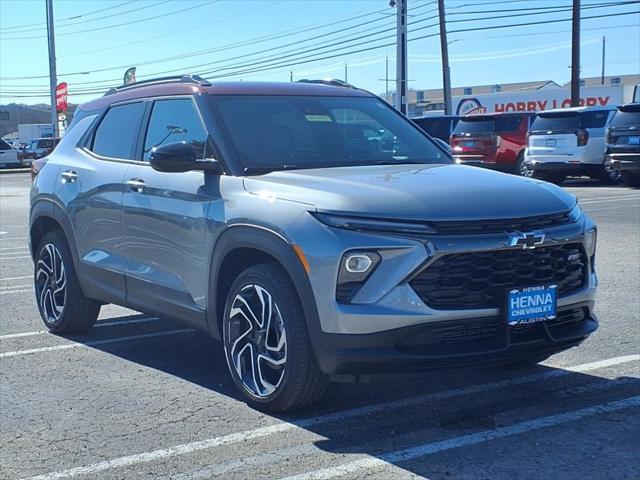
x: 527, y: 240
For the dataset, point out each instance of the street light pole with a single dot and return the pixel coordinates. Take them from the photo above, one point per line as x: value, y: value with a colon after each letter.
x: 53, y: 80
x: 444, y: 52
x: 401, y: 55
x: 603, y: 56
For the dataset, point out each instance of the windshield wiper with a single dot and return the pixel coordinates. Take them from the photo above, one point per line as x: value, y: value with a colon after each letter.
x: 265, y: 170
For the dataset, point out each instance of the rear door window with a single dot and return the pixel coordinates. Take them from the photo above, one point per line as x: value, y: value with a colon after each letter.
x: 4, y: 145
x: 175, y: 120
x: 508, y: 124
x: 117, y: 133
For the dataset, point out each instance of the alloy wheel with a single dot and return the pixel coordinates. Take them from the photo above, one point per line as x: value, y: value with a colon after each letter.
x: 51, y: 283
x: 256, y: 341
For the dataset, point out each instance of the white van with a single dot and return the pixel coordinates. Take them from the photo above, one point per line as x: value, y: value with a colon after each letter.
x: 8, y: 155
x: 568, y: 141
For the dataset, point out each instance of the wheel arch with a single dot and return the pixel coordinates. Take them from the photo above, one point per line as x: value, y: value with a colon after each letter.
x: 46, y: 216
x: 242, y: 246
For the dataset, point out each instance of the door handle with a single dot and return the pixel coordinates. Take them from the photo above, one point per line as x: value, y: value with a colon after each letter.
x: 136, y: 184
x: 69, y: 176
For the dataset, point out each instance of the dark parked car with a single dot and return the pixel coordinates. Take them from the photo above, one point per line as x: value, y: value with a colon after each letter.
x: 314, y: 251
x: 623, y: 143
x: 438, y: 127
x: 495, y: 141
x: 39, y: 148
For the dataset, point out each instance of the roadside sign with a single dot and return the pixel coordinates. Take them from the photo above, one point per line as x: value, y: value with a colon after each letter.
x: 61, y: 97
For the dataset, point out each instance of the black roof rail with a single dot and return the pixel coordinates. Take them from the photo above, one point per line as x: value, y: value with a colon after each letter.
x: 334, y: 82
x: 195, y: 79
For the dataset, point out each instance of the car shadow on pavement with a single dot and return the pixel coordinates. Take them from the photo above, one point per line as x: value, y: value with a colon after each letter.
x: 388, y: 417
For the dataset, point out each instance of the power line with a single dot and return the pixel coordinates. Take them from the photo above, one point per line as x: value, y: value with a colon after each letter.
x: 247, y: 68
x: 106, y: 27
x: 70, y: 18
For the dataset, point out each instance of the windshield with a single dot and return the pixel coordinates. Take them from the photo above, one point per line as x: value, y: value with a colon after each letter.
x: 288, y: 132
x: 626, y: 119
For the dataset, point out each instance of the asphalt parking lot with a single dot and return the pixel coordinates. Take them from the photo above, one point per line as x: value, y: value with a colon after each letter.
x: 139, y: 397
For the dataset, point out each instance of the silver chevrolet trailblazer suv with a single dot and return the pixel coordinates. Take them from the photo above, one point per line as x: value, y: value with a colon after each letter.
x: 314, y: 230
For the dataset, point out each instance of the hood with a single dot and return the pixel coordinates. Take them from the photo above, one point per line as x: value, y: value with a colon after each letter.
x: 425, y: 192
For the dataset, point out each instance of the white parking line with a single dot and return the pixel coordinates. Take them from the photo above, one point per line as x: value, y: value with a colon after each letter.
x: 14, y: 258
x: 467, y: 440
x: 97, y: 325
x: 12, y: 254
x: 607, y: 200
x: 94, y: 343
x: 245, y: 435
x: 15, y: 278
x: 13, y: 287
x: 17, y: 291
x: 14, y: 248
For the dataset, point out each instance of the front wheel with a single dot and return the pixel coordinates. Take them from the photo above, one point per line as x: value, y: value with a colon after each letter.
x: 266, y: 343
x: 608, y: 176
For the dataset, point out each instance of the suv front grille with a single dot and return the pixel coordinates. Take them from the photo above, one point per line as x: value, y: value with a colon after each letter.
x: 480, y: 279
x: 497, y: 226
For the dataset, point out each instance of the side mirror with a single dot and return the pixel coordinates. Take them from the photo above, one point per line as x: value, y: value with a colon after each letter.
x: 180, y: 157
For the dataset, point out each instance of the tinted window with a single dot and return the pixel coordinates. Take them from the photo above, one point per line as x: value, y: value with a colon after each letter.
x: 593, y: 119
x: 116, y: 135
x: 568, y: 121
x: 274, y: 132
x: 626, y: 119
x: 436, y: 127
x: 474, y: 126
x: 4, y: 145
x: 45, y: 143
x: 175, y: 121
x: 508, y: 124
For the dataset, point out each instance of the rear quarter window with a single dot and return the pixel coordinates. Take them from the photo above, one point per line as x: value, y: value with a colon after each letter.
x: 117, y: 133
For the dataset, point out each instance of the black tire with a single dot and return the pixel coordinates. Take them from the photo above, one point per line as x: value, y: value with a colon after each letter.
x: 631, y: 179
x: 608, y: 176
x: 520, y: 168
x: 56, y: 282
x: 298, y: 382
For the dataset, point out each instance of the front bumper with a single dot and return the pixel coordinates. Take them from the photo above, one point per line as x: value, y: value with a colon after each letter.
x: 452, y: 344
x: 624, y: 162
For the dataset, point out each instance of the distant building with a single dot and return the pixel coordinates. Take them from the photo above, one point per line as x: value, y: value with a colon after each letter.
x: 421, y: 102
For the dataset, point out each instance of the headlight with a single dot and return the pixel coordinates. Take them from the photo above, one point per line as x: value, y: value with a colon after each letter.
x: 355, y: 268
x: 575, y: 214
x: 590, y: 240
x: 372, y: 225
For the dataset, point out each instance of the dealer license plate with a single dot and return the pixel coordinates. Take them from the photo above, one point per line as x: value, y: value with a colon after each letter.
x: 532, y: 304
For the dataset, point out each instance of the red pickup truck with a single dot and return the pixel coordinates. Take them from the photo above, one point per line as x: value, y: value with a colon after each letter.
x: 493, y: 140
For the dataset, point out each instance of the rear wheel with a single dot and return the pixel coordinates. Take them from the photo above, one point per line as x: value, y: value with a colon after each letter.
x: 631, y: 179
x: 62, y: 305
x: 266, y: 343
x: 608, y: 175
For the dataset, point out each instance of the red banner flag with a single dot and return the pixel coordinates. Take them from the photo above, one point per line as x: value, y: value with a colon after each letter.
x: 61, y: 97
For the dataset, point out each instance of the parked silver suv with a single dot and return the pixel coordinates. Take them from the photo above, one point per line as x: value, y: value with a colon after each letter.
x: 313, y: 229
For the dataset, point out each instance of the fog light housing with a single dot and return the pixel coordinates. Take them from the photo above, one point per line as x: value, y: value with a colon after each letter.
x: 590, y: 240
x: 355, y: 268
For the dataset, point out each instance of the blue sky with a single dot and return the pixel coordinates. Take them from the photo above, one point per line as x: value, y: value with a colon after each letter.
x: 192, y: 35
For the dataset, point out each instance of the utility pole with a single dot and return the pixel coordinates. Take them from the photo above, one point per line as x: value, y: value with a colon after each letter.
x: 603, y: 56
x: 444, y: 52
x: 401, y: 54
x: 345, y: 73
x: 291, y: 76
x: 386, y: 77
x: 575, y: 54
x: 53, y: 78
